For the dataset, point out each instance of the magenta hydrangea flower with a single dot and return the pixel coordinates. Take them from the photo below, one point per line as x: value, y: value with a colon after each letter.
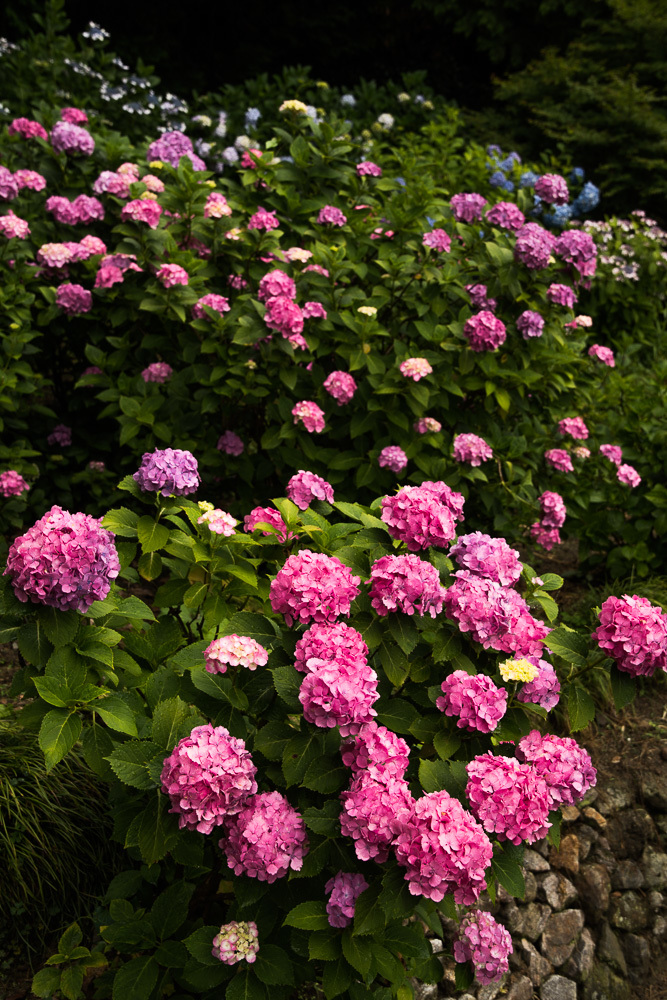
x: 579, y: 249
x: 312, y: 586
x: 534, y: 246
x: 27, y: 129
x: 437, y: 240
x: 82, y: 209
x: 208, y: 776
x: 476, y: 700
x: 546, y: 537
x: 89, y: 246
x: 263, y: 219
x: 628, y: 475
x: 29, y: 179
x: 467, y: 207
x: 415, y: 368
x: 509, y: 798
x: 484, y: 942
x: 14, y: 227
x: 236, y: 941
x: 172, y: 471
x: 554, y: 510
x: 472, y: 449
x: 603, y: 354
x: 305, y: 487
x: 489, y: 557
x: 565, y: 766
x: 444, y: 850
x: 9, y: 188
x: 484, y: 331
x: 426, y: 425
x: 64, y: 560
x: 276, y: 283
x: 284, y: 315
x: 544, y: 689
x: 266, y: 838
x: 553, y: 189
x: 170, y: 147
x: 479, y: 297
x: 613, y: 452
x: 12, y: 483
x: 230, y: 443
x: 142, y: 210
x: 310, y: 415
x: 341, y: 386
x: 633, y: 632
x: 368, y: 169
x: 530, y: 324
x: 112, y: 182
x: 329, y: 215
x: 559, y: 459
x: 507, y: 215
x: 68, y: 138
x: 328, y: 642
x: 267, y: 515
x: 171, y: 275
x: 376, y: 751
x: 234, y: 651
x: 74, y: 300
x: 574, y: 426
x: 60, y: 435
x: 339, y: 693
x: 392, y: 457
x: 562, y: 295
x: 158, y: 371
x: 75, y: 116
x: 454, y: 501
x: 373, y: 813
x: 407, y: 584
x: 313, y: 310
x: 417, y: 517
x: 344, y: 888
x: 216, y: 206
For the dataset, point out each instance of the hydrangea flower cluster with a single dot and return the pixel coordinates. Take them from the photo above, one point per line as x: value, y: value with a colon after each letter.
x: 339, y: 692
x: 565, y: 766
x: 405, y: 583
x: 437, y: 240
x: 27, y: 129
x: 479, y: 297
x: 12, y: 483
x: 518, y: 670
x: 170, y: 147
x: 553, y: 508
x: 82, y: 209
x: 489, y: 557
x: 219, y: 522
x: 60, y: 435
x: 415, y: 368
x: 29, y: 179
x: 341, y: 386
x: 484, y: 942
x: 14, y: 227
x: 509, y: 798
x: 142, y: 210
x: 267, y: 515
x: 559, y: 459
x: 343, y: 889
x: 208, y: 777
x: 64, y: 561
x: 328, y: 642
x: 329, y: 215
x: 534, y: 246
x: 305, y: 487
x: 553, y: 189
x: 633, y: 632
x: 613, y: 452
x: 426, y: 425
x: 276, y: 283
x: 603, y: 354
x: 561, y: 295
x: 546, y: 537
x: 216, y: 206
x: 230, y: 443
x: 263, y: 219
x: 68, y: 138
x: 472, y: 449
x: 368, y: 169
x: 544, y: 690
x: 310, y: 415
x: 467, y: 207
x: 234, y: 651
x: 172, y: 471
x: 418, y: 517
x: 74, y: 300
x: 171, y: 275
x: 374, y: 810
x: 476, y: 700
x: 484, y: 331
x: 628, y: 475
x: 236, y: 941
x: 578, y: 248
x: 530, y: 324
x: 574, y: 426
x: 376, y: 751
x: 265, y: 839
x: 158, y: 371
x: 312, y: 586
x: 507, y: 215
x: 454, y: 501
x: 392, y: 457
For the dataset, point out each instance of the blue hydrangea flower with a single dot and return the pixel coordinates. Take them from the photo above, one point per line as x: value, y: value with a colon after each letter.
x: 252, y: 116
x: 348, y: 100
x: 494, y: 150
x: 577, y: 174
x: 401, y: 181
x: 588, y: 198
x: 430, y: 221
x: 528, y: 179
x: 497, y: 179
x: 559, y: 215
x: 509, y: 161
x: 507, y: 185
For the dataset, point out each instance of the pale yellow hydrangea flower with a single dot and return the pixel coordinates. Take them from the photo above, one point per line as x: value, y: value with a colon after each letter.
x: 518, y: 670
x: 367, y: 310
x: 297, y: 106
x: 156, y: 164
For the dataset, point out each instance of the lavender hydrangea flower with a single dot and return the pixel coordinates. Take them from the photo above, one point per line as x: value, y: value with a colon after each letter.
x: 173, y: 472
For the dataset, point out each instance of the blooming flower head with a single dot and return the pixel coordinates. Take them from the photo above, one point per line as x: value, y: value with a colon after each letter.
x: 263, y: 219
x: 325, y: 641
x: 518, y: 670
x: 546, y: 537
x: 267, y: 515
x: 533, y: 246
x: 373, y: 812
x: 158, y: 371
x: 343, y: 890
x: 407, y: 584
x: 276, y: 283
x: 235, y: 942
x: 153, y: 183
x: 64, y: 561
x: 208, y: 776
x: 298, y: 254
x: 562, y: 295
x: 13, y: 227
x: 417, y: 517
x: 314, y: 310
x: 142, y: 210
x: 426, y: 425
x: 293, y: 106
x: 329, y: 215
x: 613, y: 452
x: 633, y: 632
x: 171, y: 471
x: 61, y: 435
x: 376, y: 751
x: 284, y: 315
x: 565, y: 766
x: 9, y: 188
x: 265, y: 839
x: 310, y: 415
x: 479, y: 297
x: 489, y: 557
x: 509, y: 798
x: 530, y: 324
x: 415, y: 368
x: 170, y: 147
x: 484, y: 942
x: 75, y: 116
x: 171, y: 275
x: 305, y: 487
x: 114, y: 183
x: 392, y: 457
x: 559, y: 459
x: 544, y: 689
x: 603, y: 354
x: 484, y: 331
x: 437, y: 240
x: 628, y: 475
x: 216, y: 206
x: 507, y: 215
x: 234, y: 651
x: 368, y: 169
x: 554, y: 511
x: 219, y: 522
x: 230, y: 443
x: 553, y: 189
x: 574, y: 426
x: 476, y: 700
x: 212, y: 301
x: 313, y: 587
x: 339, y: 692
x: 90, y: 246
x: 29, y: 179
x: 581, y: 452
x: 68, y: 138
x: 579, y: 249
x: 341, y: 386
x: 472, y: 449
x: 27, y: 129
x: 54, y: 255
x: 12, y: 483
x: 467, y: 207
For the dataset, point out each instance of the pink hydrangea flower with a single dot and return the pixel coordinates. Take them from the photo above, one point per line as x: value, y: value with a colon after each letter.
x: 565, y: 766
x: 628, y: 475
x: 235, y: 942
x: 75, y: 116
x: 444, y: 850
x: 328, y: 642
x: 574, y: 426
x: 417, y: 517
x: 546, y: 537
x: 376, y: 751
x: 13, y: 227
x: 472, y: 449
x: 553, y: 189
x: 479, y: 297
x: 9, y: 189
x: 368, y: 169
x: 553, y: 508
x: 633, y: 632
x: 530, y: 324
x: 415, y: 368
x: 143, y: 210
x: 219, y: 522
x: 60, y: 435
x: 153, y: 183
x: 467, y: 207
x: 216, y: 206
x: 454, y: 501
x: 407, y: 584
x: 339, y: 693
x: 559, y: 459
x: 276, y: 283
x: 484, y: 942
x: 426, y: 425
x: 373, y: 813
x: 27, y: 129
x: 392, y: 457
x: 208, y: 776
x: 158, y: 371
x: 344, y: 888
x: 579, y: 249
x: 310, y: 415
x: 283, y: 315
x: 267, y: 515
x: 212, y: 301
x: 305, y: 487
x: 476, y: 700
x: 172, y: 471
x: 90, y: 246
x: 509, y: 798
x: 171, y: 275
x: 170, y: 147
x: 603, y: 354
x: 263, y: 219
x: 234, y: 651
x: 489, y: 557
x: 12, y: 483
x: 484, y: 331
x: 108, y: 276
x: 68, y: 138
x: 507, y: 215
x: 63, y: 210
x: 341, y: 386
x: 437, y: 240
x: 266, y: 839
x: 112, y: 182
x: 313, y: 587
x: 613, y: 452
x: 64, y: 560
x: 129, y: 169
x: 230, y: 443
x: 329, y: 215
x: 318, y: 269
x: 544, y: 689
x: 54, y: 255
x: 298, y: 254
x: 562, y: 295
x: 314, y: 310
x: 30, y: 179
x: 534, y: 246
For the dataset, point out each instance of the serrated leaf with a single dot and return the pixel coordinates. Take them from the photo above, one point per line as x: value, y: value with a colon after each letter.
x: 336, y: 978
x: 129, y: 762
x: 298, y: 755
x: 310, y: 916
x: 152, y: 535
x: 287, y: 682
x: 369, y: 916
x: 135, y: 979
x: 219, y: 686
x: 58, y: 733
x: 508, y: 871
x: 580, y: 707
x: 170, y: 909
x: 357, y: 951
x: 46, y: 982
x: 324, y: 945
x: 157, y: 832
x: 71, y: 981
x: 273, y: 966
x: 259, y: 627
x: 246, y: 986
x: 326, y: 775
x: 60, y: 627
x: 569, y: 644
x: 150, y: 566
x: 121, y: 521
x: 69, y: 940
x: 272, y: 739
x: 623, y: 687
x: 395, y: 898
x: 117, y: 714
x: 446, y: 745
x: 403, y: 632
x: 168, y: 720
x: 199, y: 944
x: 397, y: 715
x: 433, y: 775
x: 34, y: 645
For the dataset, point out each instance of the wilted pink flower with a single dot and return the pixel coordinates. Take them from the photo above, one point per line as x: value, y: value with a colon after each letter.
x: 27, y: 129
x: 14, y: 227
x: 530, y: 324
x: 266, y: 839
x: 633, y: 632
x: 68, y: 138
x: 489, y: 557
x: 74, y: 116
x: 438, y: 240
x: 559, y: 459
x: 65, y: 561
x: 603, y: 354
x: 171, y: 471
x: 143, y: 210
x: 467, y: 207
x: 30, y: 179
x: 217, y: 302
x: 484, y: 331
x: 553, y: 189
x: 392, y: 457
x: 339, y: 692
x: 310, y: 414
x: 60, y: 435
x: 208, y: 776
x: 219, y: 522
x: 471, y: 448
x: 262, y: 219
x: 112, y: 182
x: 443, y: 849
x: 235, y: 942
x: 479, y: 297
x: 314, y: 310
x: 509, y: 798
x: 417, y: 517
x: 344, y: 888
x: 12, y: 483
x: 328, y: 642
x: 216, y: 206
x: 562, y: 295
x: 484, y: 942
x: 54, y: 255
x: 368, y: 169
x: 331, y: 216
x: 613, y: 452
x: 628, y: 475
x: 405, y: 583
x: 427, y: 425
x: 574, y: 426
x: 376, y: 751
x: 158, y: 371
x: 544, y: 689
x: 283, y: 315
x: 313, y: 587
x: 578, y: 248
x: 373, y: 813
x: 170, y: 147
x: 507, y: 215
x: 171, y: 275
x: 565, y: 766
x: 276, y: 283
x: 267, y: 515
x: 230, y: 443
x: 415, y: 368
x: 234, y: 651
x: 496, y: 616
x: 341, y: 386
x: 305, y: 487
x: 534, y: 246
x: 476, y: 700
x: 546, y: 537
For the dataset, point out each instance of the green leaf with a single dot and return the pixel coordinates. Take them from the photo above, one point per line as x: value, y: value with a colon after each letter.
x: 357, y: 951
x: 369, y: 916
x: 69, y: 940
x: 170, y: 909
x: 135, y: 979
x: 219, y: 686
x: 580, y: 707
x: 169, y: 722
x: 553, y: 836
x: 551, y: 581
x: 121, y: 521
x: 272, y: 739
x: 325, y: 775
x: 161, y: 685
x: 259, y: 627
x: 310, y: 916
x: 172, y: 955
x: 150, y: 566
x: 404, y: 632
x: 46, y: 982
x: 129, y: 762
x: 246, y: 986
x: 34, y: 645
x: 499, y: 255
x: 58, y: 733
x: 273, y: 966
x: 395, y: 898
x: 336, y: 978
x: 446, y: 745
x: 60, y: 627
x: 394, y: 663
x: 397, y: 715
x: 71, y: 981
x: 152, y: 535
x: 433, y: 775
x: 569, y: 644
x: 508, y: 871
x: 200, y: 942
x: 408, y: 941
x: 136, y: 609
x: 464, y: 975
x: 158, y: 832
x: 549, y: 607
x: 324, y: 945
x: 298, y: 755
x: 287, y: 682
x: 117, y: 714
x: 623, y: 687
